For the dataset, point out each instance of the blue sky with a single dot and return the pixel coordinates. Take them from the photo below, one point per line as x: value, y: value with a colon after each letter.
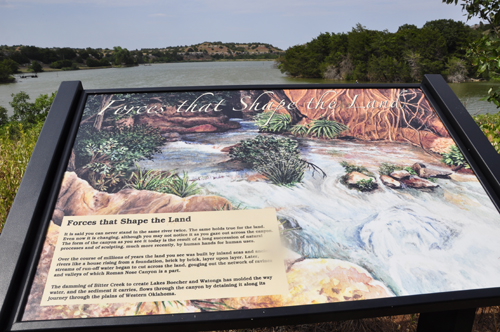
x: 136, y: 24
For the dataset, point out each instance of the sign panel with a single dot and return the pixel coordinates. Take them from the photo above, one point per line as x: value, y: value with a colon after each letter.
x: 176, y: 202
x: 229, y: 207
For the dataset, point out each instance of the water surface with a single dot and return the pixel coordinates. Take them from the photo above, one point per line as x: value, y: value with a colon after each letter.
x: 200, y: 74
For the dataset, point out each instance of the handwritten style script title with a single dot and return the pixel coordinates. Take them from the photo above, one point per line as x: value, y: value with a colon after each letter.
x: 203, y: 104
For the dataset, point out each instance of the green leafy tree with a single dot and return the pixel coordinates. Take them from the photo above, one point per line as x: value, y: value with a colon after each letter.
x: 19, y: 57
x: 36, y: 67
x: 29, y: 112
x: 13, y: 66
x: 7, y: 68
x: 484, y: 52
x: 122, y: 56
x: 4, y: 118
x: 380, y: 56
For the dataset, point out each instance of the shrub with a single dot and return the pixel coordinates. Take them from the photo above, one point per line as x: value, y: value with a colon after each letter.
x: 326, y: 128
x: 61, y: 64
x: 255, y: 151
x: 149, y: 180
x: 26, y: 111
x: 276, y: 158
x: 14, y: 156
x: 410, y: 170
x: 181, y: 186
x: 366, y: 185
x: 490, y: 125
x: 362, y: 185
x: 104, y: 157
x: 299, y: 130
x: 387, y: 169
x: 4, y: 118
x: 273, y: 122
x: 349, y: 168
x: 454, y: 158
x: 283, y: 171
x: 163, y: 182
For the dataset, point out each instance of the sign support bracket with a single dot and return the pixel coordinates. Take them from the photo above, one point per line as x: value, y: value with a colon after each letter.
x: 447, y: 321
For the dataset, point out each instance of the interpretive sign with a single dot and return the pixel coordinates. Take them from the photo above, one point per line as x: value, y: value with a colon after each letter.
x: 254, y: 205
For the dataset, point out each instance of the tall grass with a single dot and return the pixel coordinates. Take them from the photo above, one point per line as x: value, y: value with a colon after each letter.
x: 16, y: 145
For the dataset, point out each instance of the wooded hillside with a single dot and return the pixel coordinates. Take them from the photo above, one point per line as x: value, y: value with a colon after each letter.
x: 382, y: 56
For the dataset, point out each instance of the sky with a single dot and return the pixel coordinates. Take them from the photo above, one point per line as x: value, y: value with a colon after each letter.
x: 136, y: 24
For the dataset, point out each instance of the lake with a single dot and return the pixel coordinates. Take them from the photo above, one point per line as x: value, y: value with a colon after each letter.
x: 199, y: 74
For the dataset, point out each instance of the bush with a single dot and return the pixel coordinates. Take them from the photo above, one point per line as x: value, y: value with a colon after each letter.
x: 163, y: 182
x: 3, y: 116
x: 35, y: 67
x: 366, y: 185
x: 299, y: 130
x: 273, y: 122
x: 387, y: 169
x: 349, y: 168
x: 253, y: 151
x: 61, y: 64
x: 181, y: 186
x: 326, y: 128
x: 104, y: 157
x: 149, y: 180
x: 454, y: 158
x: 31, y: 112
x: 283, y: 171
x: 14, y: 156
x: 276, y: 158
x: 490, y: 125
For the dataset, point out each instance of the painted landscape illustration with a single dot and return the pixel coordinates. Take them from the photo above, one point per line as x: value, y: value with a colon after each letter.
x: 373, y: 197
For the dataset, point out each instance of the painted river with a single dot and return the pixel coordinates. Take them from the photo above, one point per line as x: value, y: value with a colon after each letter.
x: 413, y: 241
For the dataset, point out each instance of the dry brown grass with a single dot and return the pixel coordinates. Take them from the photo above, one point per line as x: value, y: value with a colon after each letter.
x: 487, y: 320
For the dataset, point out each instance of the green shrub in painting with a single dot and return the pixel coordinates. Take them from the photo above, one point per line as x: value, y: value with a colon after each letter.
x: 387, y: 168
x: 255, y: 151
x: 163, y: 182
x: 276, y: 158
x: 410, y: 170
x: 283, y: 171
x: 299, y: 130
x: 149, y: 180
x: 366, y: 185
x: 182, y: 187
x: 326, y: 128
x: 454, y: 158
x: 273, y: 122
x: 105, y: 157
x: 349, y: 168
x: 363, y: 184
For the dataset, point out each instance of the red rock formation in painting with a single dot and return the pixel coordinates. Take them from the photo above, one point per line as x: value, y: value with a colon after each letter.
x: 372, y: 114
x: 78, y: 198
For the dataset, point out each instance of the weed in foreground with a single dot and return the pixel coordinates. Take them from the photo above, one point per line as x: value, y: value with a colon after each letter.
x: 15, y: 154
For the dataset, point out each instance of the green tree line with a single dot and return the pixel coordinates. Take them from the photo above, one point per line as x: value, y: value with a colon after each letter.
x: 11, y: 58
x: 438, y: 47
x: 36, y: 58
